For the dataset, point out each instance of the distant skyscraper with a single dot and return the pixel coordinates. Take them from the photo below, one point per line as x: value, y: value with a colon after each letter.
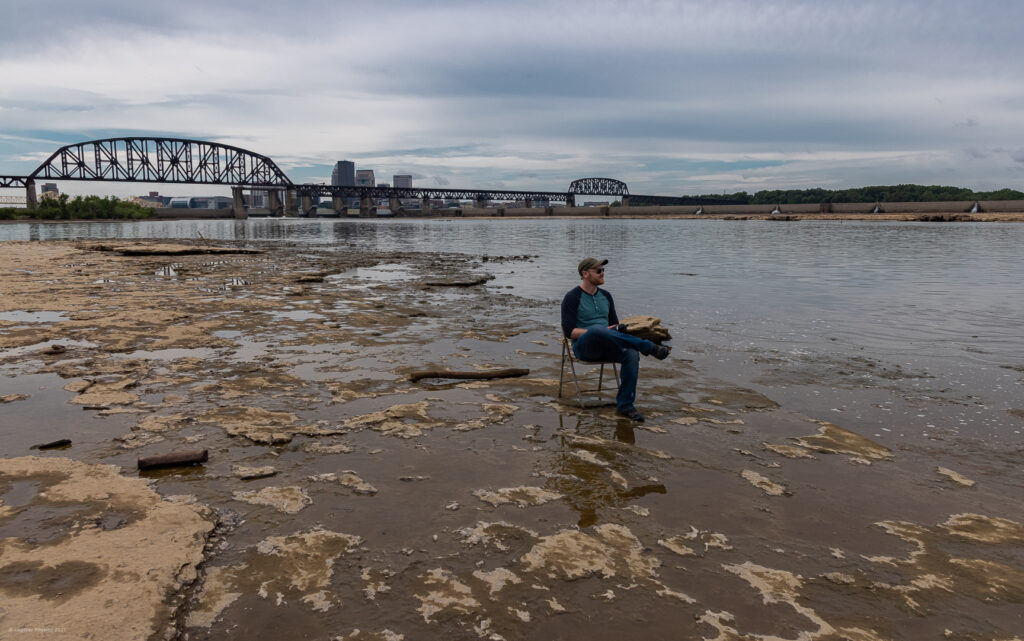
x: 402, y: 181
x: 344, y: 174
x: 364, y: 178
x: 50, y: 191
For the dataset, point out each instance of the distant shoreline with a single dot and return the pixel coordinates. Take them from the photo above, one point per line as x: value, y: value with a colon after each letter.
x: 478, y: 214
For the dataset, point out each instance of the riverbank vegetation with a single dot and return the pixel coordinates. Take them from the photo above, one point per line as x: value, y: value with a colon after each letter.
x: 889, y: 193
x: 79, y: 208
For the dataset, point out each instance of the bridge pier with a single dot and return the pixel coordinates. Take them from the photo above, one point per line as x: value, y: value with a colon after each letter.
x: 366, y: 207
x: 339, y: 206
x: 291, y: 207
x: 306, y: 207
x: 570, y: 200
x: 425, y: 206
x: 529, y: 202
x: 274, y: 202
x: 238, y: 202
x: 30, y: 194
x: 395, y: 205
x: 625, y: 201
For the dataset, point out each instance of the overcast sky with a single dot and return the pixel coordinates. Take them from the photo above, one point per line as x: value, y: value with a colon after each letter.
x: 670, y: 97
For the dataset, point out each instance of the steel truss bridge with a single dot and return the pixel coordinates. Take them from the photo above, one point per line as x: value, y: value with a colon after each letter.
x: 185, y: 161
x: 13, y: 181
x: 161, y: 160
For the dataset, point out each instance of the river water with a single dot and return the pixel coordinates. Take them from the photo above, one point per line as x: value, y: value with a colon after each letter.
x: 833, y: 445
x: 815, y: 306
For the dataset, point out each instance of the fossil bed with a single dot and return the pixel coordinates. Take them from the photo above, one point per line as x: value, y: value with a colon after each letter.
x: 343, y: 501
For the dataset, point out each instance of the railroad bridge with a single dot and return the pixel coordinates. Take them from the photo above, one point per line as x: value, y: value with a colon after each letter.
x: 198, y: 162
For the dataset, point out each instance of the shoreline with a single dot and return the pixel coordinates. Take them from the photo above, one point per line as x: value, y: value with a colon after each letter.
x: 486, y: 214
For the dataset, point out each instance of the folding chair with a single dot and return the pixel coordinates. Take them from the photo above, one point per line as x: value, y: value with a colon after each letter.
x: 580, y: 379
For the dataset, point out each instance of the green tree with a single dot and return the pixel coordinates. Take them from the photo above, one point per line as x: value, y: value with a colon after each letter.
x: 88, y: 208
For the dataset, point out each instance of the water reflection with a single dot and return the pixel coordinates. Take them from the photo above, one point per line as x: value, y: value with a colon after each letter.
x: 936, y: 297
x: 625, y: 432
x: 598, y: 468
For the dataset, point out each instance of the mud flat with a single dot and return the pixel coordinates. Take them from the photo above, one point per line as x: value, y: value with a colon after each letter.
x: 341, y: 500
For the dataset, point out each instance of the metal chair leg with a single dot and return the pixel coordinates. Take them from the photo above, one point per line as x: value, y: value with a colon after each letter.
x: 561, y: 370
x: 576, y: 381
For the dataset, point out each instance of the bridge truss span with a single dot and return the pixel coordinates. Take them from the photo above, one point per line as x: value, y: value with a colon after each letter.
x: 13, y: 181
x: 439, y: 193
x: 598, y: 187
x: 162, y: 160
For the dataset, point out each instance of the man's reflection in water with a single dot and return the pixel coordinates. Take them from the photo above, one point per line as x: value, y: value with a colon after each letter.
x: 593, y: 488
x: 588, y: 516
x: 624, y: 432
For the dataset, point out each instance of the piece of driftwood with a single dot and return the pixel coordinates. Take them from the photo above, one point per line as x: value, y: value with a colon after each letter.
x: 511, y: 372
x: 64, y: 442
x: 648, y: 327
x: 172, y: 459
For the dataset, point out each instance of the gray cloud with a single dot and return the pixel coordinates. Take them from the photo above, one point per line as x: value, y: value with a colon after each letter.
x: 670, y: 95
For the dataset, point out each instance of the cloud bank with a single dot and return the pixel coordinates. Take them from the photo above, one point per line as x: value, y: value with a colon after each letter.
x: 671, y: 97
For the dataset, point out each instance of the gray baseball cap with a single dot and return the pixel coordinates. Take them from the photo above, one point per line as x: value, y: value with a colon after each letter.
x: 590, y: 263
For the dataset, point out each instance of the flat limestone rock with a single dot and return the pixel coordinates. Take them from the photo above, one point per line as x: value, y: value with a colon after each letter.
x: 522, y: 496
x: 261, y: 426
x: 163, y: 249
x: 677, y: 545
x: 764, y: 484
x: 118, y: 573
x: 956, y: 476
x: 832, y: 439
x: 297, y: 567
x: 349, y: 479
x: 404, y: 420
x: 247, y: 472
x: 789, y: 451
x: 78, y: 386
x: 289, y: 500
x: 612, y: 551
x: 105, y: 399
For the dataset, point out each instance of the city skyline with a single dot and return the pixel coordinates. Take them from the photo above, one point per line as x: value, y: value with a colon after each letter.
x: 671, y: 98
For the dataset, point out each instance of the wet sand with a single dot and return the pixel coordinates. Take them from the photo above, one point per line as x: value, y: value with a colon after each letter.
x: 343, y: 501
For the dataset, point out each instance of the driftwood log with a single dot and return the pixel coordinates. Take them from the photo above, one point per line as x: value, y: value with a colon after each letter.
x: 64, y: 442
x: 511, y: 372
x: 172, y: 459
x: 648, y: 327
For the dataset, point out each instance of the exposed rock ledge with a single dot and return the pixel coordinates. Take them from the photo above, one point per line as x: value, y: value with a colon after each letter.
x: 113, y: 563
x: 162, y: 249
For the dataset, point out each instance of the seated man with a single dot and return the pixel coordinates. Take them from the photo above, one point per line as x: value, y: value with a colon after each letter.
x: 589, y: 319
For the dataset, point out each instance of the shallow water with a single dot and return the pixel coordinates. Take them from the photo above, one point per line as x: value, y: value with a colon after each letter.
x: 938, y: 305
x: 696, y: 522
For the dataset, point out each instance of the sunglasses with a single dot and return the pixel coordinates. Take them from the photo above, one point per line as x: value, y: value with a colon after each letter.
x: 598, y: 271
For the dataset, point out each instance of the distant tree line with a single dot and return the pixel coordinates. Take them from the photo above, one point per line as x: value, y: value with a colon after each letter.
x: 81, y: 208
x: 891, y: 193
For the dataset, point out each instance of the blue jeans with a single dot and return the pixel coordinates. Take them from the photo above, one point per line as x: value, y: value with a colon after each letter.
x: 602, y: 344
